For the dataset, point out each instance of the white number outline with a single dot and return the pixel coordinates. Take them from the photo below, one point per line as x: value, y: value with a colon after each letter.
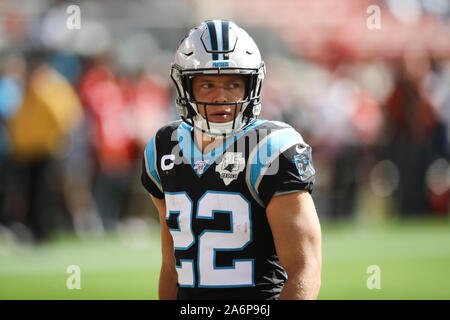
x: 231, y: 231
x: 186, y: 265
x: 211, y: 216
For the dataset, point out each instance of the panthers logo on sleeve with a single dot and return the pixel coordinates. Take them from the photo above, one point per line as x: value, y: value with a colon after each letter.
x: 304, y: 166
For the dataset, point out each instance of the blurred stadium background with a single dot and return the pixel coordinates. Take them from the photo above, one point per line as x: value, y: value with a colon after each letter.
x: 77, y: 107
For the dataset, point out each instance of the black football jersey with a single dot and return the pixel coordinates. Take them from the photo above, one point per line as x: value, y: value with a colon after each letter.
x: 215, y: 205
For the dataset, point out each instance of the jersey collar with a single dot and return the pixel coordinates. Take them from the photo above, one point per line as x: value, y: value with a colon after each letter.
x: 196, y: 158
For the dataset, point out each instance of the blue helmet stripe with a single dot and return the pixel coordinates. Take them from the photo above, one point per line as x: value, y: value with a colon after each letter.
x: 213, y: 37
x: 225, y: 40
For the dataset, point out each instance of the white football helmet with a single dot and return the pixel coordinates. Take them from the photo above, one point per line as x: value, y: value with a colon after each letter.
x: 217, y: 47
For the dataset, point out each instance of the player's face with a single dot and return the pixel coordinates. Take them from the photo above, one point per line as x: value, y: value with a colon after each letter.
x: 219, y: 89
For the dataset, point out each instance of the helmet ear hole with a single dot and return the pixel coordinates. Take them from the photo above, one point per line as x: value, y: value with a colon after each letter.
x: 189, y: 94
x: 248, y: 86
x: 191, y: 111
x: 248, y: 112
x: 187, y: 85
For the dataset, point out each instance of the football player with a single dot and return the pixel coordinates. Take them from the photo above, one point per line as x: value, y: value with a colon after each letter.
x: 232, y: 191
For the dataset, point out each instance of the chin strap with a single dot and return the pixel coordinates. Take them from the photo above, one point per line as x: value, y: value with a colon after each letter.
x: 215, y: 130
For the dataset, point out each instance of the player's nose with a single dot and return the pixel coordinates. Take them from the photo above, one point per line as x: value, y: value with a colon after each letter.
x: 220, y: 95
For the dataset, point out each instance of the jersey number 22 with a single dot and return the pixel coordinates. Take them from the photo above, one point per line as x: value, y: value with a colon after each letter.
x: 209, y: 242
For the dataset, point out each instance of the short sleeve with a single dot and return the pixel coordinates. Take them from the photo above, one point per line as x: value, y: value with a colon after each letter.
x: 280, y: 163
x: 150, y: 176
x: 295, y: 173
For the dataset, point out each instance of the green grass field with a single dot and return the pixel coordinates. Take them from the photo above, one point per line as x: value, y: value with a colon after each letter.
x: 414, y: 259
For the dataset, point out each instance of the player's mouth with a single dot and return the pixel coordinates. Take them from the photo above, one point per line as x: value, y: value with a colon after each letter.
x: 220, y: 115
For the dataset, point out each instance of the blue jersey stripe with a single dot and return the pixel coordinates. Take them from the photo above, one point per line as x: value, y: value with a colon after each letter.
x: 268, y: 150
x: 150, y: 156
x: 192, y: 153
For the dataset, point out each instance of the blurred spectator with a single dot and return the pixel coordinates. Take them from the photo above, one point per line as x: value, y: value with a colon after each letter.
x: 111, y: 132
x: 123, y: 113
x: 12, y: 72
x: 78, y: 106
x: 39, y: 131
x: 412, y: 133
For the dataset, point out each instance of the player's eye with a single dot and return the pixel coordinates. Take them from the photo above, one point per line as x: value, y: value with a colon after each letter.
x: 206, y: 85
x: 234, y: 85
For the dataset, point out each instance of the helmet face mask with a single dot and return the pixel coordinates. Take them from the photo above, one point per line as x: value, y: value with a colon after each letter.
x: 198, y: 53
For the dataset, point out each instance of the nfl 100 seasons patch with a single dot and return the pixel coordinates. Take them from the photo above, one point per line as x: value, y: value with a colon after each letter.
x: 200, y: 165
